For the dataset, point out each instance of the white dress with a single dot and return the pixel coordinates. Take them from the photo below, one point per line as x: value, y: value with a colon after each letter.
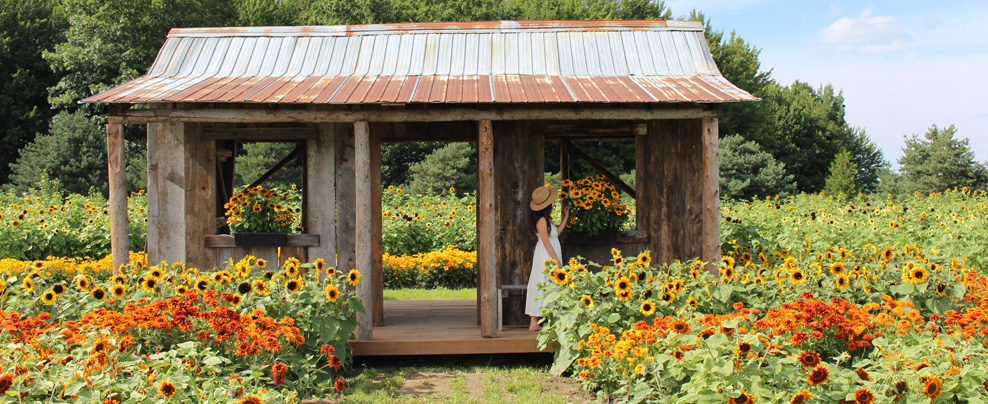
x: 533, y: 301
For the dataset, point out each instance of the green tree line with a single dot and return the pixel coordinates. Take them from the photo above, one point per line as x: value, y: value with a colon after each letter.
x: 56, y: 52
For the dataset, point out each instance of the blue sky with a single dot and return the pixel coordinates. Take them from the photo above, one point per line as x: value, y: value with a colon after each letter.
x: 902, y: 65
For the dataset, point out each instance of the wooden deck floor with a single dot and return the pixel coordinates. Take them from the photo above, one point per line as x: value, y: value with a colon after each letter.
x: 439, y: 327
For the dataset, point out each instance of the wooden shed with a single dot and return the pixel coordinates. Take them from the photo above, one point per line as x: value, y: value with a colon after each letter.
x: 339, y: 92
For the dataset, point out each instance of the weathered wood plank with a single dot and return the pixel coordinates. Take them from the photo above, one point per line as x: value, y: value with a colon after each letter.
x: 362, y: 172
x: 486, y: 231
x: 345, y: 199
x: 166, y: 198
x: 294, y: 240
x: 290, y: 114
x: 710, y: 187
x: 320, y: 186
x: 200, y: 197
x: 377, y: 241
x: 117, y: 175
x: 261, y: 134
x: 520, y: 160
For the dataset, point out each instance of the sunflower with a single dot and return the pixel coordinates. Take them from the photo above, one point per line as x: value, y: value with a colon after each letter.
x: 49, y: 296
x: 918, y: 274
x: 119, y: 290
x: 148, y: 284
x: 680, y: 327
x: 618, y: 260
x: 83, y: 283
x: 809, y: 359
x: 668, y: 297
x: 645, y: 258
x: 622, y: 284
x: 932, y: 387
x: 560, y: 276
x: 743, y: 398
x: 260, y: 287
x: 887, y: 254
x: 293, y: 285
x: 586, y: 301
x: 261, y: 263
x: 98, y: 293
x: 319, y: 264
x: 800, y: 398
x: 332, y: 293
x: 167, y: 389
x: 727, y: 272
x: 678, y: 355
x: 119, y: 279
x: 181, y: 290
x: 744, y: 347
x: 353, y: 278
x: 202, y: 283
x: 244, y: 288
x: 842, y: 281
x: 819, y: 375
x: 863, y: 374
x: 6, y: 380
x: 250, y: 400
x: 156, y: 273
x: 837, y: 268
x: 797, y: 276
x: 624, y: 295
x: 235, y: 299
x: 864, y: 396
x: 647, y: 308
x: 291, y: 271
x: 692, y: 303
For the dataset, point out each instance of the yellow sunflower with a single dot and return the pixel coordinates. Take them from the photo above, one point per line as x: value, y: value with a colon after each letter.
x: 353, y: 278
x: 98, y: 293
x: 83, y: 283
x: 28, y: 285
x: 294, y: 285
x: 561, y: 277
x: 647, y: 308
x: 49, y: 296
x: 332, y: 293
x: 797, y: 276
x: 586, y: 301
x: 119, y: 290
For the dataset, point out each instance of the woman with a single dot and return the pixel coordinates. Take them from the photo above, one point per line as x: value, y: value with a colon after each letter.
x: 547, y: 247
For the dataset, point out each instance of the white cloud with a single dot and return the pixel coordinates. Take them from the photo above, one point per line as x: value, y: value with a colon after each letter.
x: 865, y: 34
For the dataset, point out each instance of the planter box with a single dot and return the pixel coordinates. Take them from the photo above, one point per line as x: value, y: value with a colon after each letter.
x: 260, y: 239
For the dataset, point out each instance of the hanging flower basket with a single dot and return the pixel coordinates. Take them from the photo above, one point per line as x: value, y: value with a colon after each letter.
x: 273, y: 239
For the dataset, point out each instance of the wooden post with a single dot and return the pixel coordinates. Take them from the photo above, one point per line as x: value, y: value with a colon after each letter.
x: 345, y: 200
x: 711, y: 192
x: 200, y: 197
x: 486, y: 232
x: 377, y: 242
x: 119, y: 241
x: 320, y: 186
x: 362, y: 170
x: 166, y: 192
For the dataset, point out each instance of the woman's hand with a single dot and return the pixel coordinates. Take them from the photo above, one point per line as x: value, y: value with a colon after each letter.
x: 566, y: 210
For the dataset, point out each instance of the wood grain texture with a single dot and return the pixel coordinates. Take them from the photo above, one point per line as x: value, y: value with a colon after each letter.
x: 200, y: 197
x: 362, y: 171
x: 710, y: 188
x: 166, y: 198
x: 320, y: 185
x: 377, y: 131
x: 486, y: 231
x: 520, y: 160
x: 345, y: 199
x: 117, y: 176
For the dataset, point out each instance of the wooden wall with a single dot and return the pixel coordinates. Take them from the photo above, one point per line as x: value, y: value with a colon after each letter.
x: 519, y: 161
x: 678, y: 193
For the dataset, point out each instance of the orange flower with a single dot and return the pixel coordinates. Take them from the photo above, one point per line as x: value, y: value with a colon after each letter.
x: 809, y: 359
x: 932, y: 387
x: 819, y: 375
x: 278, y: 371
x: 864, y: 396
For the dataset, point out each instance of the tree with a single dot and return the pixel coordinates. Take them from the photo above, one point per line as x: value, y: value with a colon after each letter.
x: 868, y: 158
x: 451, y: 166
x: 27, y: 28
x: 747, y: 171
x: 255, y: 159
x: 48, y: 155
x: 396, y: 159
x: 109, y: 42
x: 260, y: 13
x: 843, y: 178
x: 939, y: 161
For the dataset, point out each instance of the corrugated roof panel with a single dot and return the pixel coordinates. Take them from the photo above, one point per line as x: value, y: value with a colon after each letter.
x: 507, y: 61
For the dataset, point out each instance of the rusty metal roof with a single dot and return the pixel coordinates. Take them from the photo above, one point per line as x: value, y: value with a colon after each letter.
x: 475, y: 62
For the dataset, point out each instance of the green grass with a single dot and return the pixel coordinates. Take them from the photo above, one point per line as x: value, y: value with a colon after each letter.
x: 462, y: 379
x: 430, y: 294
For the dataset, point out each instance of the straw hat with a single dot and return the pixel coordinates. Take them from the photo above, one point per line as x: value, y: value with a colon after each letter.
x: 542, y: 197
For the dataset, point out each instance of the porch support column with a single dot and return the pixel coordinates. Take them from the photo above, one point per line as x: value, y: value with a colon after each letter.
x: 486, y: 234
x: 362, y: 169
x: 320, y: 186
x: 710, y: 189
x: 119, y: 240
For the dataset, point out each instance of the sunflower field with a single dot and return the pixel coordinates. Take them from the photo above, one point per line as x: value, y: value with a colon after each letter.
x: 814, y: 300
x: 71, y: 331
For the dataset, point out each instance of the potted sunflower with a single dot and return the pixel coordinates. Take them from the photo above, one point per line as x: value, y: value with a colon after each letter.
x: 597, y: 210
x: 260, y: 217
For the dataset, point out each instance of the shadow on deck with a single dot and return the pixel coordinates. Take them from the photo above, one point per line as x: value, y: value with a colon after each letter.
x: 439, y: 327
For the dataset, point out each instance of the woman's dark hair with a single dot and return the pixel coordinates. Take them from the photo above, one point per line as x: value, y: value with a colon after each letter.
x: 544, y: 213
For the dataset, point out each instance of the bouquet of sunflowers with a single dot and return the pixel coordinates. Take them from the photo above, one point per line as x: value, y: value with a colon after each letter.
x: 596, y: 205
x: 259, y: 210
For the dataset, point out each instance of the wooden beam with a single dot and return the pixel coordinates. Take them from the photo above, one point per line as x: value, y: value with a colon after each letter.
x: 117, y: 166
x: 610, y: 177
x: 294, y: 240
x: 362, y: 171
x: 200, y: 197
x: 297, y: 151
x: 166, y: 192
x: 289, y: 114
x: 377, y: 241
x: 486, y: 232
x: 710, y: 188
x: 261, y: 134
x: 320, y: 201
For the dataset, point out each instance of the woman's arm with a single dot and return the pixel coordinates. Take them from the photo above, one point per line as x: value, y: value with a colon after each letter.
x: 543, y: 229
x: 562, y: 224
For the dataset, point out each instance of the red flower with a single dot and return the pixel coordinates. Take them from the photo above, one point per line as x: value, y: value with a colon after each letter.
x: 340, y: 384
x: 278, y: 371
